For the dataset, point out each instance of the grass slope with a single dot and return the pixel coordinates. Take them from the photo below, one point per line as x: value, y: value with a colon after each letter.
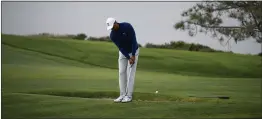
x: 160, y: 60
x: 51, y: 78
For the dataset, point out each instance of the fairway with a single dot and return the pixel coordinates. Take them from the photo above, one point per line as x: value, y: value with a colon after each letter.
x: 47, y: 77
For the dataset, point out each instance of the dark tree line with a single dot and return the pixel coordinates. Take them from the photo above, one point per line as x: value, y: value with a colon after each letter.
x: 79, y: 36
x: 181, y: 45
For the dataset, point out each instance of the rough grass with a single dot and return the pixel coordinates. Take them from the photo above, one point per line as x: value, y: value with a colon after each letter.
x: 55, y: 78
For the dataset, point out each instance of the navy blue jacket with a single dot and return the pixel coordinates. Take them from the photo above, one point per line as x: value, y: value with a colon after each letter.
x: 125, y: 39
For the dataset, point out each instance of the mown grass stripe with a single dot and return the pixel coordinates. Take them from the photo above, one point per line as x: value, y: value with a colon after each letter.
x: 138, y: 96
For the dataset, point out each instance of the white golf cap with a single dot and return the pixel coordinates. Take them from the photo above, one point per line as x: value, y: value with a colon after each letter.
x: 110, y: 23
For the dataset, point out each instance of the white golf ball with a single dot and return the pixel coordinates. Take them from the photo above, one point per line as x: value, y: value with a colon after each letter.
x: 156, y: 91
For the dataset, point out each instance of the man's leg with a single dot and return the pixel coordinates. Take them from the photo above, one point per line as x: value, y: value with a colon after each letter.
x: 131, y: 78
x: 122, y: 63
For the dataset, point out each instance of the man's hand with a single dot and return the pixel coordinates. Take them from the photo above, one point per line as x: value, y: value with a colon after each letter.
x: 132, y: 60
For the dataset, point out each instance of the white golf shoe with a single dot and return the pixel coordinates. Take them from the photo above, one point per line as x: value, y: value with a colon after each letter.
x: 119, y: 99
x: 127, y: 99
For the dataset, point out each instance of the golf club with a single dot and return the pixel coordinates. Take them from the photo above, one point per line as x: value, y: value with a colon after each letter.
x: 130, y: 69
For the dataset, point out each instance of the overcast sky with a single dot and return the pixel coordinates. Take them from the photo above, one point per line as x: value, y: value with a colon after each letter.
x: 153, y: 21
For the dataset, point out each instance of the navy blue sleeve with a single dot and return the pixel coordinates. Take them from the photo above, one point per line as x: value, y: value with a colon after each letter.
x: 113, y: 38
x: 134, y: 42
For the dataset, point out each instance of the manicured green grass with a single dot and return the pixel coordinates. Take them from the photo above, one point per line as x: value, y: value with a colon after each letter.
x: 24, y: 105
x: 67, y: 78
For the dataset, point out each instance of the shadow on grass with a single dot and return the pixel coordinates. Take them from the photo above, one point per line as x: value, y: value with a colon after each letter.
x: 137, y: 96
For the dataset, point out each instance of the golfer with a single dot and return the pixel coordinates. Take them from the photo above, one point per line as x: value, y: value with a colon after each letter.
x: 124, y: 37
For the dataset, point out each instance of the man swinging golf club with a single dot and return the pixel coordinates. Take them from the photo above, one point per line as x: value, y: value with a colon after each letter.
x: 124, y: 37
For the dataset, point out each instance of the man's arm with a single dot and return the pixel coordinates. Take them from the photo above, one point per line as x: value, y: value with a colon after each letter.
x: 134, y: 42
x: 113, y: 38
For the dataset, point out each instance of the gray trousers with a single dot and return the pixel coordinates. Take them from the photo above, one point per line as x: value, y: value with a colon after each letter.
x: 127, y: 78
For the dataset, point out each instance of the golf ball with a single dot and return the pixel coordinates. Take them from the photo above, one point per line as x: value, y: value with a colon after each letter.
x: 156, y: 91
